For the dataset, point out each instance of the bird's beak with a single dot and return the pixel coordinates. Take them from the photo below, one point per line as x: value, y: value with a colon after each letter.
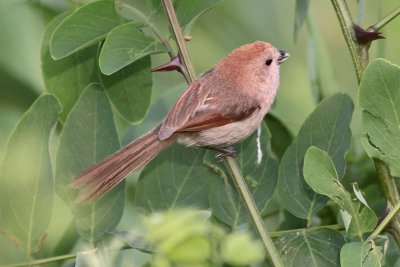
x: 283, y: 56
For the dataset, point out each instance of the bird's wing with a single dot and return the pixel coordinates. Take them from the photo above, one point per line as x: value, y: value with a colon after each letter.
x: 213, y: 113
x: 185, y: 108
x: 201, y: 108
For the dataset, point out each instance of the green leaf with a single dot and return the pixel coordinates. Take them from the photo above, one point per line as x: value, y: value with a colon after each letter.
x: 85, y: 27
x: 155, y: 6
x: 176, y: 178
x: 130, y: 89
x: 124, y: 45
x: 26, y: 181
x: 310, y: 248
x: 327, y: 127
x: 133, y: 11
x: 188, y: 11
x: 379, y: 98
x: 66, y: 78
x: 361, y: 254
x: 320, y: 174
x: 281, y: 135
x: 260, y: 175
x: 301, y: 10
x: 88, y: 136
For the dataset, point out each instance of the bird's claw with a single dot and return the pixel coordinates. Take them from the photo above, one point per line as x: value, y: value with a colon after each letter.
x: 225, y: 152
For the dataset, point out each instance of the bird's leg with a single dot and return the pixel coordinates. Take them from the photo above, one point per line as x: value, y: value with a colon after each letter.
x: 223, y: 152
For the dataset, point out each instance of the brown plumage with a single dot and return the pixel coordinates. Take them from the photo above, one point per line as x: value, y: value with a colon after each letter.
x: 222, y: 107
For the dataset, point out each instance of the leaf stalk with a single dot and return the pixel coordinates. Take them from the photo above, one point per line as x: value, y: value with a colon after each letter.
x: 147, y: 22
x: 385, y: 222
x: 380, y: 24
x: 337, y: 227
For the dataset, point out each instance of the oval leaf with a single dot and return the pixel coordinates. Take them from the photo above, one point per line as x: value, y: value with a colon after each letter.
x: 124, y: 45
x: 259, y: 167
x: 85, y: 27
x: 379, y: 97
x: 320, y: 174
x: 130, y: 89
x: 26, y: 180
x: 310, y: 248
x: 281, y: 137
x: 66, y: 78
x: 130, y: 10
x: 177, y: 177
x: 361, y: 254
x: 88, y: 136
x: 188, y: 11
x: 327, y: 127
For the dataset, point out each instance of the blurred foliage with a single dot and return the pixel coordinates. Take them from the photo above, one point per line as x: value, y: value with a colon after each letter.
x: 99, y: 110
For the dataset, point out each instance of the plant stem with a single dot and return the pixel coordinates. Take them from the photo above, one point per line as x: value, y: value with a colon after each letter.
x: 389, y: 188
x: 42, y: 261
x: 387, y: 182
x: 385, y: 221
x: 346, y: 24
x: 380, y: 24
x: 252, y: 209
x: 333, y: 227
x: 176, y: 29
x: 57, y: 258
x: 359, y: 54
x: 230, y: 162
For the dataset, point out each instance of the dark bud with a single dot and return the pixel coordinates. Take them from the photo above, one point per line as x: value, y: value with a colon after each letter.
x: 174, y: 64
x: 365, y: 37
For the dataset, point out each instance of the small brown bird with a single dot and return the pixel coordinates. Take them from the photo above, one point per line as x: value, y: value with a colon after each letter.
x: 222, y: 107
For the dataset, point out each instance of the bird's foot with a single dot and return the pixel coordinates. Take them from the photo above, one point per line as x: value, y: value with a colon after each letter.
x: 224, y: 152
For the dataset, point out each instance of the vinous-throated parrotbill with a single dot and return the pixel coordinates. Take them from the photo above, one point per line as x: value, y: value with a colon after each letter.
x: 222, y: 107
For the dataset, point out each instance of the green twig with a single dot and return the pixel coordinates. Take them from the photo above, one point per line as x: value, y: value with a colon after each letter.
x: 63, y: 258
x: 337, y: 227
x: 346, y: 24
x: 387, y: 182
x: 389, y: 188
x: 380, y: 24
x: 252, y: 209
x: 385, y: 221
x: 176, y: 29
x: 231, y: 163
x: 42, y: 261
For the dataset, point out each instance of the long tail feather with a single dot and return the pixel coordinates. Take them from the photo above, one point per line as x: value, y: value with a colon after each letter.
x: 106, y: 174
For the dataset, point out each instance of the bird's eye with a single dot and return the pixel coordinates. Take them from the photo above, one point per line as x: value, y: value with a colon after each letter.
x: 268, y: 62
